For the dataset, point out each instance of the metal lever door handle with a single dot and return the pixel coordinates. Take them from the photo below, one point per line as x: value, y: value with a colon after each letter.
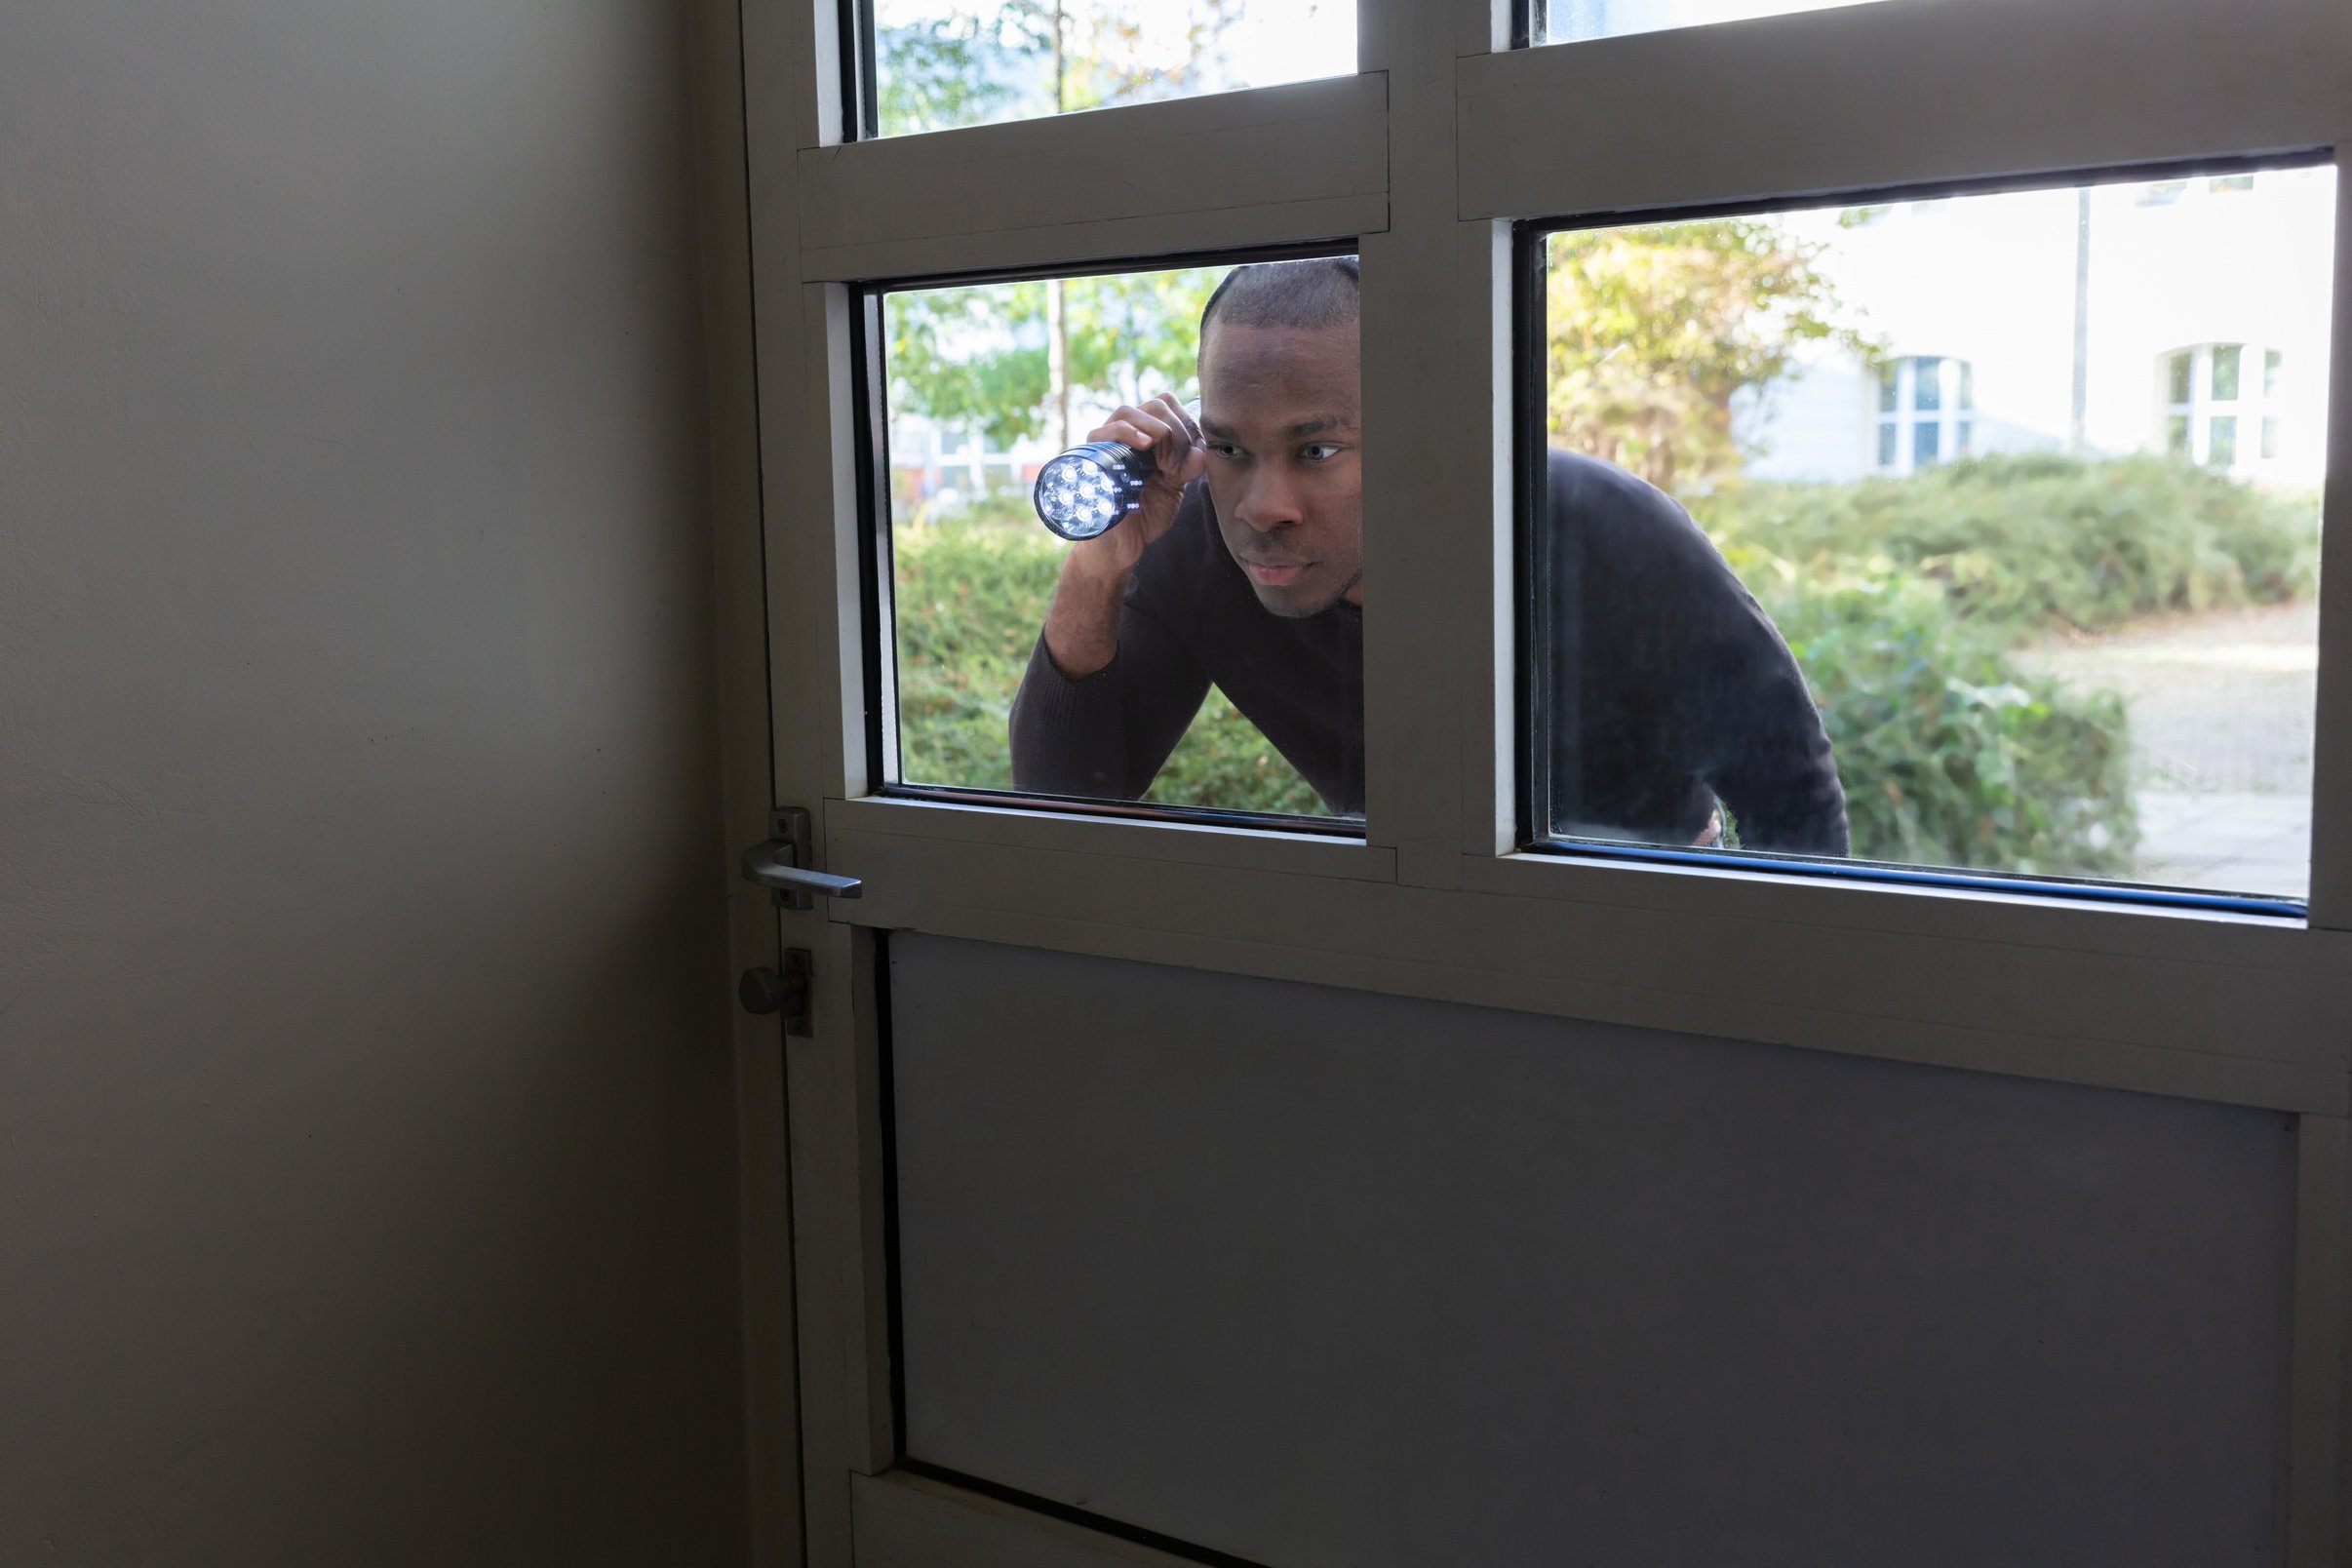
x: 776, y: 864
x: 773, y: 865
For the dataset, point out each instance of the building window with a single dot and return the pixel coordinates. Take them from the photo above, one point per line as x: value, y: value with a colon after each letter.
x: 2209, y: 396
x: 1926, y: 408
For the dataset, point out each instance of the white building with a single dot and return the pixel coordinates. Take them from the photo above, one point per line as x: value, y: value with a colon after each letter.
x: 2197, y: 322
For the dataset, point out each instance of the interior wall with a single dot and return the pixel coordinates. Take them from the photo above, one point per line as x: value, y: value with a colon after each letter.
x: 366, y: 1136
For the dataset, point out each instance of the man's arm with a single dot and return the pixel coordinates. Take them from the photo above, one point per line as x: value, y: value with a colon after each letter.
x: 1668, y: 672
x: 1109, y: 689
x: 1106, y: 732
x: 1760, y: 739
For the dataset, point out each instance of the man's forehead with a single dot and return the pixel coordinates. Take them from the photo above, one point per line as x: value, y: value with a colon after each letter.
x: 1296, y: 381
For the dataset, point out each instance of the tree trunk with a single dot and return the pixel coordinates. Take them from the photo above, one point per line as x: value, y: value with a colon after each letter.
x: 1057, y: 360
x: 1057, y: 320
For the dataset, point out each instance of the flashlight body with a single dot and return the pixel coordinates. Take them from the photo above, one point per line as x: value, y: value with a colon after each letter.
x: 1087, y: 490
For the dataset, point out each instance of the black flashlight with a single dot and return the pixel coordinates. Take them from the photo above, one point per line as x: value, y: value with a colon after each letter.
x: 1088, y: 489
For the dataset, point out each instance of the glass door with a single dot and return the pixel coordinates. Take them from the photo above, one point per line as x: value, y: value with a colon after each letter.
x: 1505, y: 723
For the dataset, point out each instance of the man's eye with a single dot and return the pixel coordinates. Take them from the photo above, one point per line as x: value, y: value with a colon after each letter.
x: 1223, y: 448
x: 1318, y: 452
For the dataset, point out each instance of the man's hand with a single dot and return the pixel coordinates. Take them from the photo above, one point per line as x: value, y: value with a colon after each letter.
x: 1081, y: 629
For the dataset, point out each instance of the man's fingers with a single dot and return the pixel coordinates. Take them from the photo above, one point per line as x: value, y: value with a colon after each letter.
x: 1165, y: 428
x: 1146, y: 430
x: 1184, y: 457
x: 1169, y: 407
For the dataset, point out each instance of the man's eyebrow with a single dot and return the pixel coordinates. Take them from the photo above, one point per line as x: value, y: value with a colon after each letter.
x: 1307, y: 428
x: 1329, y: 421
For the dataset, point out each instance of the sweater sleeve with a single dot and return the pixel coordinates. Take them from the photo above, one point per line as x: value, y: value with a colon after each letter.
x: 1671, y: 684
x: 1106, y: 735
x: 1757, y: 736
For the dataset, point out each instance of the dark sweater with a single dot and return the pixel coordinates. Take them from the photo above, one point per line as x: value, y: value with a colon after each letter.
x: 1670, y: 688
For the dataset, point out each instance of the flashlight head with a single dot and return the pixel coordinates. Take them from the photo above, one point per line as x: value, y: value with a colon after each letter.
x: 1087, y: 490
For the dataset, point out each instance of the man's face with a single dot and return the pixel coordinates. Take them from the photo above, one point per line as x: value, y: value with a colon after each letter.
x: 1280, y: 409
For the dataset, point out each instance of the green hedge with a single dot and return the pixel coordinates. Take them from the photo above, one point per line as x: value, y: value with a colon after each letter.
x: 1950, y: 753
x: 2041, y: 541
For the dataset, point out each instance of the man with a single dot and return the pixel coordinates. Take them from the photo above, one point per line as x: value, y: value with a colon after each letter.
x: 1241, y: 565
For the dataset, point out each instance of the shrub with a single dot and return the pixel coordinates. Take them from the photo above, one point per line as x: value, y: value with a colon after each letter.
x: 1952, y: 754
x: 2039, y: 541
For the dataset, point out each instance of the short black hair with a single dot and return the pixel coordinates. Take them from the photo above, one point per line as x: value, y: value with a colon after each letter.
x: 1320, y: 292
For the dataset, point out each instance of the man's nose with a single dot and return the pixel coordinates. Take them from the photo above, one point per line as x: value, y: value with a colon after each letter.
x: 1268, y: 501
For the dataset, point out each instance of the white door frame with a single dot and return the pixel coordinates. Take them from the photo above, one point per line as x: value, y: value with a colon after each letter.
x: 1425, y: 158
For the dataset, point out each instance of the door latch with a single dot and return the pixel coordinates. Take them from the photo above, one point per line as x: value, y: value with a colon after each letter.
x: 783, y: 990
x: 782, y: 864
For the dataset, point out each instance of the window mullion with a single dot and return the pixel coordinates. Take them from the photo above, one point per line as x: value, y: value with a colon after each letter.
x: 1437, y: 468
x: 2330, y: 902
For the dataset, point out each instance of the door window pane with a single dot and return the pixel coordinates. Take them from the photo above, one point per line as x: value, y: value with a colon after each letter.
x: 940, y: 65
x: 1567, y: 21
x: 2073, y: 656
x: 1188, y: 636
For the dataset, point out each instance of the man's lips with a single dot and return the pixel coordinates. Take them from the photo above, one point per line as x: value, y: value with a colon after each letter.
x: 1274, y: 574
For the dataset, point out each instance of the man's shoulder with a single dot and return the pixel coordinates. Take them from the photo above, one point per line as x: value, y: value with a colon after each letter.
x: 1619, y: 519
x: 1597, y: 497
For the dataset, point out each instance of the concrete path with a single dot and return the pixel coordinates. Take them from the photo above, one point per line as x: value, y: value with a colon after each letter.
x: 2222, y: 710
x: 2230, y: 843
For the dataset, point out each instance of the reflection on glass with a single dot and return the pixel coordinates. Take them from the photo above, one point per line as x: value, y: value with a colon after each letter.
x: 941, y: 64
x: 2222, y: 447
x: 1930, y: 384
x: 2050, y: 613
x: 1575, y: 21
x: 2225, y: 372
x: 1205, y: 651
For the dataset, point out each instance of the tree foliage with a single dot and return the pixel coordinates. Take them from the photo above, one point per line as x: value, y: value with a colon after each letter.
x: 1653, y: 331
x: 976, y: 358
x: 956, y: 65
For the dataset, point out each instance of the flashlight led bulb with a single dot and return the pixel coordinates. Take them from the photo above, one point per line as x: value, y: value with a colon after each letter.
x: 1085, y: 490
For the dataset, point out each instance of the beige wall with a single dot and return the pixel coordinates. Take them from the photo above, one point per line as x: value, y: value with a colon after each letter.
x: 366, y: 1136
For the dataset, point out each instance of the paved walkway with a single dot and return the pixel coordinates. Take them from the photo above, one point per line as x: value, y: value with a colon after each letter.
x: 2231, y: 843
x: 2221, y: 726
